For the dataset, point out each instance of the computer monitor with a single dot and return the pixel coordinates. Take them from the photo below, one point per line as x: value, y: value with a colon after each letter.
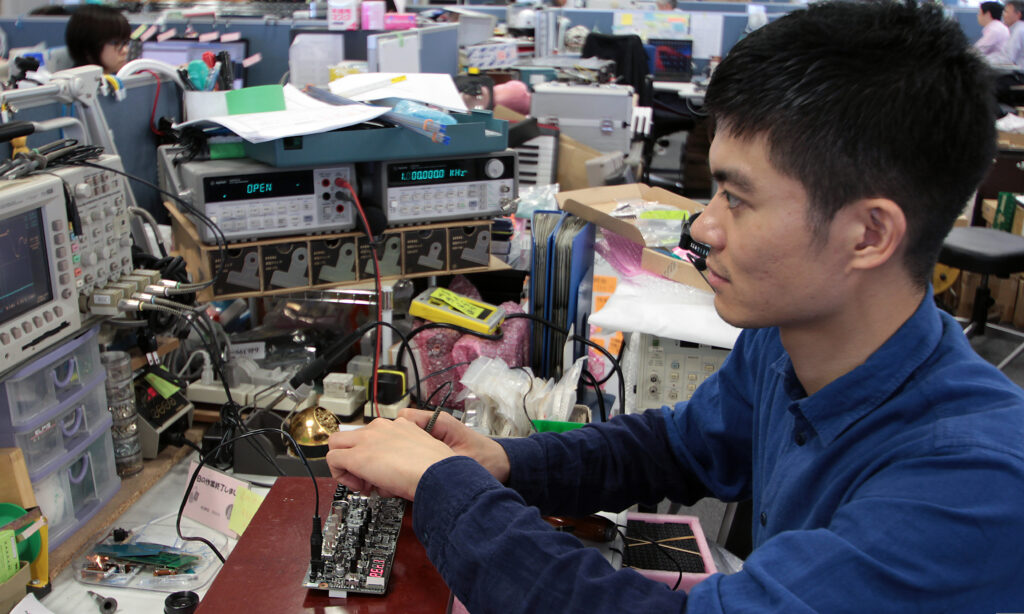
x: 670, y: 59
x: 178, y: 51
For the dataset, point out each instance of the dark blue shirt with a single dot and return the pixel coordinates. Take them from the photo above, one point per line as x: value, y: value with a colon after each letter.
x: 898, y: 487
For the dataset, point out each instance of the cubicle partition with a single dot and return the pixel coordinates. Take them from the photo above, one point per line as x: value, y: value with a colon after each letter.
x: 129, y: 119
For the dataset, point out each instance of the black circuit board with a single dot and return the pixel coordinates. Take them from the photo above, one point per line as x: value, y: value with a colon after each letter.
x: 360, y: 538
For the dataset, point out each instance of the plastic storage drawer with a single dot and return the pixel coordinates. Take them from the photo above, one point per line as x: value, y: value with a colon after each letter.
x: 45, y: 382
x: 80, y: 485
x: 61, y: 429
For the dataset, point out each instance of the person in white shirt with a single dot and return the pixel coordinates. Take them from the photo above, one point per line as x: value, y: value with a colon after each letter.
x: 995, y: 36
x: 1012, y: 13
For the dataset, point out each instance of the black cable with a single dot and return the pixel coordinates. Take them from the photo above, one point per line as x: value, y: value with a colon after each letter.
x: 528, y: 391
x: 322, y: 365
x: 597, y: 389
x: 230, y: 416
x: 219, y: 237
x: 700, y: 268
x: 406, y: 340
x: 440, y: 406
x: 215, y: 361
x: 202, y: 461
x: 447, y: 369
x: 448, y: 383
x: 660, y: 547
x: 616, y: 367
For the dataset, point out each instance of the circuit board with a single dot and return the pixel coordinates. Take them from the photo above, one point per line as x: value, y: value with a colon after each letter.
x: 360, y: 538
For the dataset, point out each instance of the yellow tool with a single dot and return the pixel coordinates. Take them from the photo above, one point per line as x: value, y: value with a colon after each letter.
x: 442, y: 305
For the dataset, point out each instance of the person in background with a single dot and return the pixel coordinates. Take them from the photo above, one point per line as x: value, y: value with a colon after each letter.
x: 1012, y: 13
x: 100, y: 35
x: 995, y: 36
x: 667, y: 5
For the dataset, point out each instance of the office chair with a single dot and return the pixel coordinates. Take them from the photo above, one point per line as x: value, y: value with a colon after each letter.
x: 988, y: 252
x: 626, y: 50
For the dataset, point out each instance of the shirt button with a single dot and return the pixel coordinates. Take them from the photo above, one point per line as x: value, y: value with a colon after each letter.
x: 800, y: 438
x: 764, y: 519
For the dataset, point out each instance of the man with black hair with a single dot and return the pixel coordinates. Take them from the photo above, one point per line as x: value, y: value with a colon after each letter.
x: 1012, y: 13
x: 884, y: 458
x: 995, y: 36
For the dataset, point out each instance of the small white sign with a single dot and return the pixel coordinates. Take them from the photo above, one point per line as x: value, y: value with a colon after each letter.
x: 212, y: 498
x: 256, y: 350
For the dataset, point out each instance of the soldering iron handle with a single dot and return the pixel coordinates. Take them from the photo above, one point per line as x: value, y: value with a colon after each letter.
x: 13, y: 130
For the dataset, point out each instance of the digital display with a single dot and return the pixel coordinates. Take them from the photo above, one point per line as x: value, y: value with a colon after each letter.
x: 24, y: 266
x: 251, y: 187
x: 425, y: 173
x: 377, y: 568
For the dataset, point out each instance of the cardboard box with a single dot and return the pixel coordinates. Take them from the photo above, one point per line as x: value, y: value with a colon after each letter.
x: 426, y: 250
x: 342, y: 15
x: 333, y: 261
x: 990, y: 210
x: 469, y: 246
x: 1018, y: 307
x: 373, y: 14
x: 1004, y: 293
x: 596, y: 204
x: 389, y: 256
x: 15, y: 486
x: 399, y: 21
x: 13, y: 590
x: 1010, y: 140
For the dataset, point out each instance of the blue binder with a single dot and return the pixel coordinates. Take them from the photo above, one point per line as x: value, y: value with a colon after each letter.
x: 561, y: 283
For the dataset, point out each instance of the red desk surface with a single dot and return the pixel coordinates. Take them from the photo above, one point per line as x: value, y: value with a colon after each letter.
x: 264, y: 572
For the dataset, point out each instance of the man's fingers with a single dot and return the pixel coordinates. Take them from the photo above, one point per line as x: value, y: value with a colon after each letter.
x: 418, y: 416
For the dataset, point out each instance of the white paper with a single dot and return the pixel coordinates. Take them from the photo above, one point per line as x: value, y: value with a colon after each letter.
x: 303, y: 114
x: 437, y: 89
x: 706, y: 30
x: 30, y: 605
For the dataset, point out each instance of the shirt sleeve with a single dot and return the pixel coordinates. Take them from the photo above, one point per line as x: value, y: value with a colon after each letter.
x: 497, y: 554
x: 607, y: 466
x: 987, y: 42
x: 924, y: 531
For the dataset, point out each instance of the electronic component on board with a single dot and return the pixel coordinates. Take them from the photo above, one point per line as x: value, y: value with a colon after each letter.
x: 359, y: 542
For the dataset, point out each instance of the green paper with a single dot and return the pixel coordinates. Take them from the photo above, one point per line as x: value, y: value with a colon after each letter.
x: 165, y: 388
x: 9, y: 564
x: 224, y: 151
x: 660, y: 214
x: 246, y: 504
x: 258, y: 99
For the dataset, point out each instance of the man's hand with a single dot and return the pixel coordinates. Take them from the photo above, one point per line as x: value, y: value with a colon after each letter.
x: 392, y: 456
x: 464, y: 441
x: 389, y: 455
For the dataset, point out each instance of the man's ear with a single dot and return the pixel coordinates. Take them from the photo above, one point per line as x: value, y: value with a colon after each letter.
x: 878, y: 231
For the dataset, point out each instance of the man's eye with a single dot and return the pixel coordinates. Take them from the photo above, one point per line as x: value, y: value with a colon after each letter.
x: 732, y: 200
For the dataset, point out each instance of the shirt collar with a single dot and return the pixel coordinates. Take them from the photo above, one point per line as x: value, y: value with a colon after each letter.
x: 831, y: 410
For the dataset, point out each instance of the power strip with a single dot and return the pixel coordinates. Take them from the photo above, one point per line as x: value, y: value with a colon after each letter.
x: 213, y: 393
